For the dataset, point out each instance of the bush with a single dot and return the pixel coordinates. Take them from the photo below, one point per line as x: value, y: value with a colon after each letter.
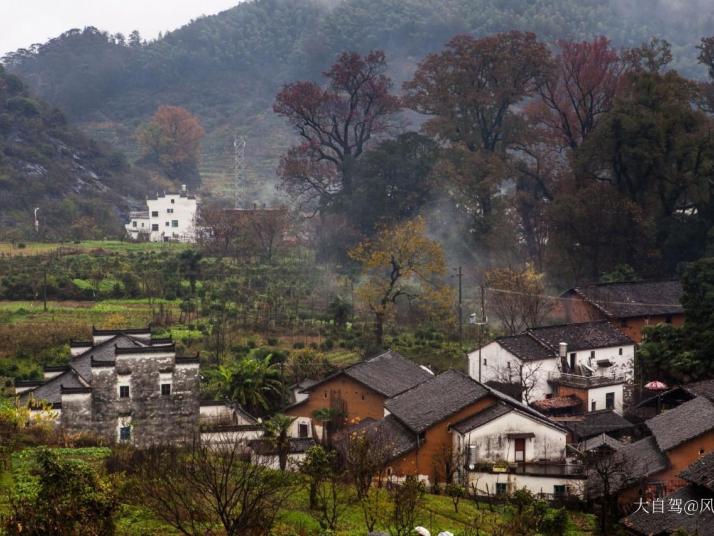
x: 299, y: 345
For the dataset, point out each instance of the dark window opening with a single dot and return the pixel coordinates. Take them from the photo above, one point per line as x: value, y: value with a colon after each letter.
x: 125, y: 433
x: 668, y: 319
x: 154, y: 226
x: 520, y: 449
x: 485, y: 362
x: 123, y: 391
x: 593, y: 405
x: 501, y: 489
x: 609, y: 400
x: 620, y: 351
x: 154, y: 213
x: 559, y: 490
x: 573, y: 360
x: 173, y: 201
x: 302, y: 430
x: 165, y: 389
x: 174, y: 223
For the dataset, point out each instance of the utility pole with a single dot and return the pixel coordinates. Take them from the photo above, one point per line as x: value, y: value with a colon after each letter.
x: 44, y: 288
x: 480, y: 330
x: 461, y: 316
x: 238, y: 166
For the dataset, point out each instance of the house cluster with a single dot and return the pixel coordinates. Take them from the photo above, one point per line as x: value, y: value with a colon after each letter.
x: 528, y: 414
x: 167, y: 218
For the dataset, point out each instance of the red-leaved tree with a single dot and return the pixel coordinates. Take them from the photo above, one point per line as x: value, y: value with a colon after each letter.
x: 582, y: 88
x: 335, y: 123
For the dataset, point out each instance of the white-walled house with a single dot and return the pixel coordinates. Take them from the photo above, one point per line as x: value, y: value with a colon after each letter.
x: 168, y: 218
x: 591, y: 360
x: 508, y: 447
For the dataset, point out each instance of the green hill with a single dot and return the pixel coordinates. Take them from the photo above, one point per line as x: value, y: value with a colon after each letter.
x: 81, y: 188
x: 227, y: 68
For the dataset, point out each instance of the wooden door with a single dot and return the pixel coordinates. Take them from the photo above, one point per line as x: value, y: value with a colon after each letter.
x: 520, y: 449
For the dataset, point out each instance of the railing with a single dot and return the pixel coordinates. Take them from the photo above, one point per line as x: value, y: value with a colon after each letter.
x: 584, y: 381
x: 533, y: 469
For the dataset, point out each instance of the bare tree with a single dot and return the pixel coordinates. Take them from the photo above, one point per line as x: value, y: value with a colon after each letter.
x: 198, y: 487
x: 517, y: 297
x: 524, y: 375
x: 364, y: 454
x: 406, y: 499
x: 607, y: 473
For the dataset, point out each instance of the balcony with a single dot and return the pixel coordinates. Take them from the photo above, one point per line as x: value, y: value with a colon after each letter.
x: 546, y: 469
x: 585, y: 382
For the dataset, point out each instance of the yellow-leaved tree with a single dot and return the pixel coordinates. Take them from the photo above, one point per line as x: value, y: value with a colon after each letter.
x: 401, y: 263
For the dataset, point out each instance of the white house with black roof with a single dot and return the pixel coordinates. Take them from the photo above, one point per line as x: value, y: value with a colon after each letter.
x: 122, y: 386
x: 591, y: 359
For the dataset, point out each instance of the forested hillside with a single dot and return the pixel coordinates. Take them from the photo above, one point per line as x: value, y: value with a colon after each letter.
x: 81, y: 188
x: 227, y: 68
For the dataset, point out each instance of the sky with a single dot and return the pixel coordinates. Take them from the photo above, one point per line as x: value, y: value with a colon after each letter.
x: 24, y: 22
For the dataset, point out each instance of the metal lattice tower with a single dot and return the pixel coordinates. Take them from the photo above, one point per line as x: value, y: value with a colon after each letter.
x: 238, y: 166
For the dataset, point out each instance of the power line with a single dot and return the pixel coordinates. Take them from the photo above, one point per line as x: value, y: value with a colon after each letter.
x: 559, y: 298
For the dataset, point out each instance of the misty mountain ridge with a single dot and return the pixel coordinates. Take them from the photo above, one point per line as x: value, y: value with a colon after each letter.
x: 226, y: 68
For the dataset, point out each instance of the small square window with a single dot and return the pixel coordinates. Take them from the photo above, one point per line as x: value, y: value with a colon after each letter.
x: 169, y: 211
x: 559, y: 490
x: 165, y: 389
x: 501, y: 489
x: 154, y: 213
x: 133, y: 224
x: 123, y: 391
x: 174, y: 223
x: 168, y: 223
x: 125, y: 433
x: 154, y: 226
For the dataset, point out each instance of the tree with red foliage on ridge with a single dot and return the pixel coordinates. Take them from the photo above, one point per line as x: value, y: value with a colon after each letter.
x: 586, y: 78
x: 335, y: 124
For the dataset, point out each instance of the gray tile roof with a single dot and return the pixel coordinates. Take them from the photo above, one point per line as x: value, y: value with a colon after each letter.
x: 683, y: 423
x: 601, y: 441
x: 433, y: 401
x: 655, y: 524
x: 544, y: 342
x: 582, y: 336
x: 482, y: 417
x: 701, y: 472
x: 526, y: 347
x: 604, y: 421
x: 703, y: 388
x: 626, y: 300
x: 389, y: 373
x: 50, y: 390
x: 390, y: 430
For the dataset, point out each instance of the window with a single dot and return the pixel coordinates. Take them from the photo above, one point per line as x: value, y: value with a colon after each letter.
x: 165, y: 389
x: 593, y: 405
x: 559, y: 490
x: 548, y: 396
x: 303, y: 430
x: 592, y: 354
x: 133, y: 224
x: 173, y: 201
x: 501, y: 489
x: 668, y: 319
x: 573, y: 360
x: 620, y: 351
x: 520, y: 449
x: 154, y: 213
x: 174, y: 223
x: 325, y: 394
x: 169, y: 211
x: 609, y: 400
x: 154, y: 226
x: 485, y: 362
x: 123, y: 391
x: 168, y: 223
x: 125, y: 433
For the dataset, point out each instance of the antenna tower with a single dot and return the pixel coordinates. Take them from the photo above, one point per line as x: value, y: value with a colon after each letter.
x: 238, y: 166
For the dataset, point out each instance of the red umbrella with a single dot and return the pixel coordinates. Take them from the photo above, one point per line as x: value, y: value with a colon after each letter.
x: 656, y: 386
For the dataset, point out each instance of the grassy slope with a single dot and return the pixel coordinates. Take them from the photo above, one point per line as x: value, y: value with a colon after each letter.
x: 437, y: 512
x: 85, y: 246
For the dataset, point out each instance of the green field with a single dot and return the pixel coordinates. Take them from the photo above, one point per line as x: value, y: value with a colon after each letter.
x: 39, y: 248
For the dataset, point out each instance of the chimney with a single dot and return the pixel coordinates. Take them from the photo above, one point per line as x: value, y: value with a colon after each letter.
x: 183, y: 188
x: 563, y: 349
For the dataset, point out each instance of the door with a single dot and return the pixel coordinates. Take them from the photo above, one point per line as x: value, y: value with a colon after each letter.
x: 520, y: 449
